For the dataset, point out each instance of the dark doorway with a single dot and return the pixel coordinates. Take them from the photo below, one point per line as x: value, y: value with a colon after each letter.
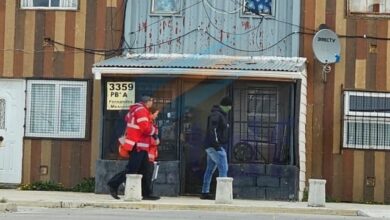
x: 198, y: 98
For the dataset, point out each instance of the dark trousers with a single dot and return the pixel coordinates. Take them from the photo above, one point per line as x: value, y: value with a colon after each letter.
x: 138, y: 164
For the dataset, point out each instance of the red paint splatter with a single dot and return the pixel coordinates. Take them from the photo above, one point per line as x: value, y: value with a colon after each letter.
x: 246, y: 25
x: 144, y: 25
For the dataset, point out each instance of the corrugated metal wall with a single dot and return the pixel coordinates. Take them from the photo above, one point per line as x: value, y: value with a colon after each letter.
x: 23, y: 54
x: 345, y: 170
x: 222, y: 20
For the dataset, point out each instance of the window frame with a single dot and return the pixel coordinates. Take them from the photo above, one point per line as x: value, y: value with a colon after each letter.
x: 59, y: 85
x: 366, y: 14
x: 159, y: 13
x: 245, y: 14
x: 23, y: 2
x: 369, y: 117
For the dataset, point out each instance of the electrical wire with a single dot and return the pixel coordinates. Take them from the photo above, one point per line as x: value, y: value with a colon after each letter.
x: 251, y: 51
x: 165, y: 42
x: 235, y: 11
x: 105, y: 52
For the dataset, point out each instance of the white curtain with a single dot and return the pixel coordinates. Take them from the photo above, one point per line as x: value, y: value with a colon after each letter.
x: 27, y: 3
x: 68, y: 3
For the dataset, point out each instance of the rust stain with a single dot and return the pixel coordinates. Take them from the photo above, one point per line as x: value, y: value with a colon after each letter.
x: 246, y: 25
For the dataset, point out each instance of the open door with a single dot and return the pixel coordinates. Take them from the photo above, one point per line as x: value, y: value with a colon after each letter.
x: 12, y: 104
x: 198, y: 98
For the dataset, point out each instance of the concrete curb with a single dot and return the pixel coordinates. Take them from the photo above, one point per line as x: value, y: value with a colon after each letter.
x: 8, y: 207
x: 202, y: 207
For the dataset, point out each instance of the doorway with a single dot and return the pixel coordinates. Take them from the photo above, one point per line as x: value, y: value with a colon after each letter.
x: 197, y: 100
x: 12, y: 104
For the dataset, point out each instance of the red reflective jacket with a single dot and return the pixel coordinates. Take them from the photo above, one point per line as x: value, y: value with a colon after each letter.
x: 150, y: 145
x: 139, y: 127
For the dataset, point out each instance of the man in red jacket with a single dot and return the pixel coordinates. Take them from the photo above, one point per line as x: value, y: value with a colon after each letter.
x: 139, y: 128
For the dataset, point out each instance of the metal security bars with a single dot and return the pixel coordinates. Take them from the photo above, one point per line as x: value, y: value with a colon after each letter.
x: 262, y: 124
x: 366, y: 120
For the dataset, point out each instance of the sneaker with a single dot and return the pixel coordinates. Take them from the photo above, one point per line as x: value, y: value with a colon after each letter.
x: 151, y: 198
x: 207, y: 196
x: 114, y: 192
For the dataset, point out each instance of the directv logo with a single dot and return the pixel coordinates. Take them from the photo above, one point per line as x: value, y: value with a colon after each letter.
x: 326, y: 39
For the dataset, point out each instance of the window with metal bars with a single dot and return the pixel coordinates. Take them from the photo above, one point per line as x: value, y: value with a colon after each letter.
x: 56, y: 109
x: 366, y: 120
x: 50, y: 4
x: 262, y: 125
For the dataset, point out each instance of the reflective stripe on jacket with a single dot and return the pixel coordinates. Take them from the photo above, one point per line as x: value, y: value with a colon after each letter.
x: 139, y: 126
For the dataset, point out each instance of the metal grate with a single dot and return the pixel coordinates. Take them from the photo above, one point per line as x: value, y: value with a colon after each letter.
x: 2, y: 114
x: 367, y: 120
x: 259, y: 134
x: 164, y: 100
x: 163, y: 91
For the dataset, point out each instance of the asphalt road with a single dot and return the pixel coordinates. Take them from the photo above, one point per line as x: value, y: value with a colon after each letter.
x: 25, y: 213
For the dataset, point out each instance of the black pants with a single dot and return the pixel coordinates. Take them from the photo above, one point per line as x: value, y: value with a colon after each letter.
x: 138, y: 164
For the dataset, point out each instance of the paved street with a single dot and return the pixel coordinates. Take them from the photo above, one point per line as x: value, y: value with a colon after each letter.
x: 35, y: 204
x: 97, y: 214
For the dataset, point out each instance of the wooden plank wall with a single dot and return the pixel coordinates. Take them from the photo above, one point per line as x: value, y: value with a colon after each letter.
x: 345, y: 170
x: 23, y: 54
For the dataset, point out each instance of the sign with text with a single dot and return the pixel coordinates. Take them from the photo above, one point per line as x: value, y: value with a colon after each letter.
x: 120, y: 95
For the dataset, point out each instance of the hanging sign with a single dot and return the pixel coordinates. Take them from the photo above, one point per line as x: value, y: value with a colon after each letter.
x: 120, y: 95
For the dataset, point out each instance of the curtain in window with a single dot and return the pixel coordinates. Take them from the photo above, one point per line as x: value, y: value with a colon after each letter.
x: 42, y: 108
x: 70, y: 109
x: 27, y: 3
x: 68, y: 3
x: 51, y: 3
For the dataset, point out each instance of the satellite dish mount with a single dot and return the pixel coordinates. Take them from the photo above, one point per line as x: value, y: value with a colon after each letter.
x: 326, y: 48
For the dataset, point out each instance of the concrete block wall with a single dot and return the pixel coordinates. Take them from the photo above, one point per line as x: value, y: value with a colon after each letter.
x: 167, y: 183
x: 251, y: 181
x: 267, y: 182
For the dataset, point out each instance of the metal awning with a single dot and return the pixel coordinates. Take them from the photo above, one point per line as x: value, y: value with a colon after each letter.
x: 204, y: 65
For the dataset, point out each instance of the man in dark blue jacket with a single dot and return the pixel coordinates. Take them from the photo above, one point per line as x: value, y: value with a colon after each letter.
x: 217, y: 138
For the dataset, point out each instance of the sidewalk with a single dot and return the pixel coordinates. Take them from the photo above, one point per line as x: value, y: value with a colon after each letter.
x: 80, y: 200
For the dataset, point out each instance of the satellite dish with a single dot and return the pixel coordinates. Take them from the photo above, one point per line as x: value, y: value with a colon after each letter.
x: 326, y: 46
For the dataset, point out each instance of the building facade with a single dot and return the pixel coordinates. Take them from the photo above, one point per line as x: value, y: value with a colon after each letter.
x: 47, y: 49
x: 347, y: 122
x: 59, y: 119
x: 188, y: 55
